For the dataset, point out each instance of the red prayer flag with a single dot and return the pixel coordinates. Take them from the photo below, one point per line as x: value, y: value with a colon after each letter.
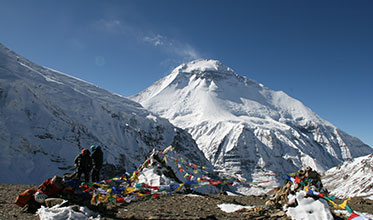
x: 119, y: 199
x: 215, y: 182
x: 152, y: 187
x: 353, y: 215
x: 297, y: 180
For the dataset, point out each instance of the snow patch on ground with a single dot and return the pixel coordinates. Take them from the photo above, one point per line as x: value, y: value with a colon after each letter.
x: 193, y: 195
x: 227, y: 207
x: 66, y: 213
x: 308, y: 208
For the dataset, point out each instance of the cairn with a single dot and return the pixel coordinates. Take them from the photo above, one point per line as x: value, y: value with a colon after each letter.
x: 276, y: 205
x: 307, y: 177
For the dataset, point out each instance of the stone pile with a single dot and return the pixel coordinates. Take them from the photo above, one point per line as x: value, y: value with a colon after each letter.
x: 303, y: 177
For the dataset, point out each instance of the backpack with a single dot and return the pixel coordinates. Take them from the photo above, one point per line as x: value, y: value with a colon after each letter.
x: 23, y: 198
x: 48, y: 188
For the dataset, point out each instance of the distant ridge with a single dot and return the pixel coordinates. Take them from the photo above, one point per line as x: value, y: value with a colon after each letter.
x: 351, y: 178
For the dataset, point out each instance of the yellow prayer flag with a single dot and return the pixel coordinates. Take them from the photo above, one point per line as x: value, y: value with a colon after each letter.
x: 101, y: 197
x: 178, y: 188
x: 129, y: 189
x: 340, y: 206
x: 344, y: 204
x: 139, y: 194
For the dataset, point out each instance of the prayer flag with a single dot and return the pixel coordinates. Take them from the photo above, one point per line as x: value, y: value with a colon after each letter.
x: 355, y: 216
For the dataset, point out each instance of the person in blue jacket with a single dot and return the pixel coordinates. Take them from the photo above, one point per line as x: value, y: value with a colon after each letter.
x: 97, y: 160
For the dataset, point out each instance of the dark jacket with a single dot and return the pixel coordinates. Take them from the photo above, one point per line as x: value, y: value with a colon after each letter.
x: 83, y: 162
x: 97, y: 158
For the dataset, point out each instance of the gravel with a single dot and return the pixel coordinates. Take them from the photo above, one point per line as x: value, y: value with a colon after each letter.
x: 176, y: 206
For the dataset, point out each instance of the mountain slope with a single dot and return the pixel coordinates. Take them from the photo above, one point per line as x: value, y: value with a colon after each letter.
x: 243, y: 127
x: 47, y: 117
x: 352, y: 178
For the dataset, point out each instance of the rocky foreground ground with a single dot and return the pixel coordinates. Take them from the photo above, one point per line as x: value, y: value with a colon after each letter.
x: 177, y: 206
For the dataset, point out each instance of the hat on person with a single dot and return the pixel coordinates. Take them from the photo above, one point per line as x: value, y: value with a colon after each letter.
x: 93, y: 147
x: 85, y: 151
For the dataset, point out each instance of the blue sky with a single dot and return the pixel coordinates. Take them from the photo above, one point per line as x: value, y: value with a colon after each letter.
x: 319, y: 52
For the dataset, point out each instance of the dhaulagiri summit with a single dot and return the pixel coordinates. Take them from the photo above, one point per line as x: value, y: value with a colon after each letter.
x: 245, y: 128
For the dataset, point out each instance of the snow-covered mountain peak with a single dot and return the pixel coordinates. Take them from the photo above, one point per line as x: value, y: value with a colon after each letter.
x: 214, y: 91
x: 209, y: 70
x: 244, y: 127
x: 203, y: 65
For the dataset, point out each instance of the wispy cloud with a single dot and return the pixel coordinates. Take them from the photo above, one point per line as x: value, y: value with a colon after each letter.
x: 115, y: 26
x: 107, y: 25
x: 176, y: 48
x: 155, y: 40
x: 110, y: 24
x: 186, y: 50
x: 173, y: 47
